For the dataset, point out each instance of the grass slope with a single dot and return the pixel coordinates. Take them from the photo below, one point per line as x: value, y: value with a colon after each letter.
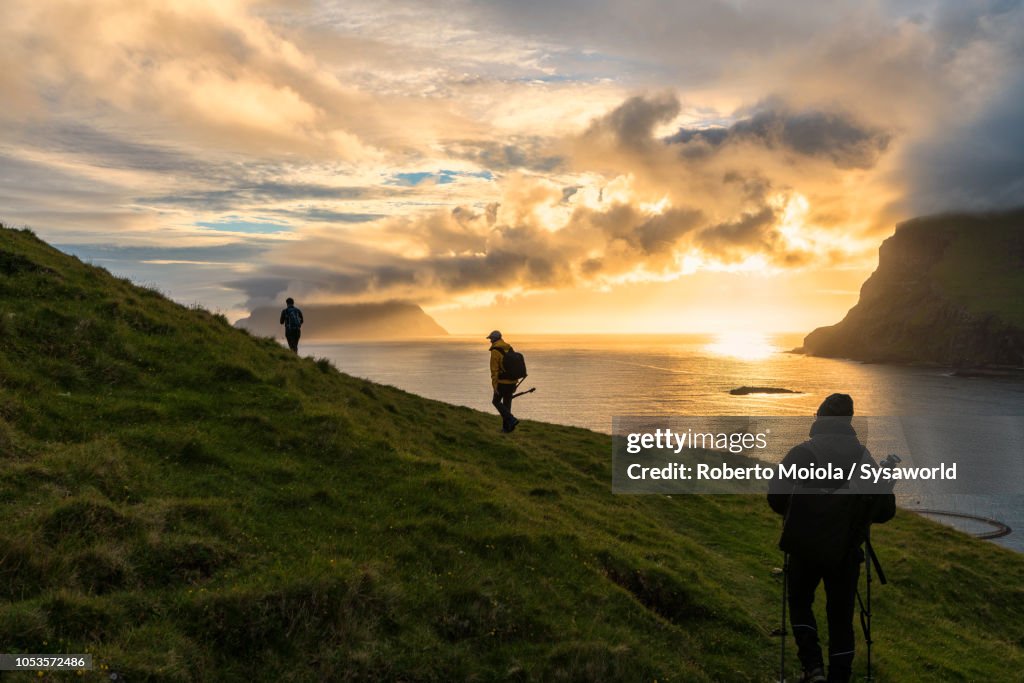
x: 187, y: 502
x: 983, y: 267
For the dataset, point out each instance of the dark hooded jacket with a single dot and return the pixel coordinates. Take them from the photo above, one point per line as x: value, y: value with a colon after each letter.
x: 827, y: 520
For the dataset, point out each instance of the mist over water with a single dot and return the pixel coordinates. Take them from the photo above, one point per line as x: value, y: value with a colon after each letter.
x: 584, y: 380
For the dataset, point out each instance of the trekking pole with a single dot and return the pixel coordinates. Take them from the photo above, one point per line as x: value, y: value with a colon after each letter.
x: 782, y: 628
x: 874, y: 561
x: 523, y: 393
x: 867, y: 632
x: 870, y: 558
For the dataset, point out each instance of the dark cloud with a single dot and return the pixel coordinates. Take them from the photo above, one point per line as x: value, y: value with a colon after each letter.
x: 25, y: 181
x: 689, y: 42
x: 753, y: 229
x: 469, y: 252
x: 425, y: 277
x: 117, y: 151
x: 285, y: 276
x: 279, y: 190
x: 663, y: 231
x: 328, y: 216
x: 649, y: 235
x: 243, y: 193
x: 958, y: 24
x: 707, y: 138
x: 750, y: 234
x: 237, y: 252
x: 260, y: 290
x: 632, y: 123
x: 497, y: 269
x: 828, y: 135
x: 978, y: 165
x: 531, y: 153
x: 753, y: 186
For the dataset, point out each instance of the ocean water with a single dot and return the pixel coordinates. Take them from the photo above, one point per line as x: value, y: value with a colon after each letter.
x: 585, y: 380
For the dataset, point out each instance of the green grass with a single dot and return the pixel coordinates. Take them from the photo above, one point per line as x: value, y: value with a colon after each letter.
x: 982, y: 269
x: 187, y: 502
x: 982, y: 285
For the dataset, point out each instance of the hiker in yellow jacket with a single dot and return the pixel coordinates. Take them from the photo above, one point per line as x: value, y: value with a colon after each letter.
x: 503, y: 387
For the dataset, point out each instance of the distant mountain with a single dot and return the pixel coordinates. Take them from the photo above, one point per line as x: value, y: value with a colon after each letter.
x: 390, y: 320
x: 949, y: 289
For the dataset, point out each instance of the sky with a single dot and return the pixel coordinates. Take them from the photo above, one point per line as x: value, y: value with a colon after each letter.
x: 559, y: 166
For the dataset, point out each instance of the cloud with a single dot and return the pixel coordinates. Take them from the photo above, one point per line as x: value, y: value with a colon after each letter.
x: 632, y: 123
x: 692, y: 42
x: 656, y: 211
x: 532, y: 153
x: 534, y: 240
x: 741, y: 232
x: 463, y: 251
x: 977, y: 165
x: 478, y: 149
x: 327, y: 216
x: 221, y: 253
x: 242, y: 192
x: 829, y: 135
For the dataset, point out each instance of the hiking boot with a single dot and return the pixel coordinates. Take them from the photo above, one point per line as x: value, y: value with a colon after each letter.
x: 815, y: 675
x: 512, y: 424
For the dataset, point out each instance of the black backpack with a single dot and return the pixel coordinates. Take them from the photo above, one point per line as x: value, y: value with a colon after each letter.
x: 513, y: 365
x: 292, y: 319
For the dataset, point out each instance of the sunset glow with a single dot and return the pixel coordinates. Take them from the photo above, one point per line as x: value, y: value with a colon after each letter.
x: 502, y: 163
x: 742, y: 345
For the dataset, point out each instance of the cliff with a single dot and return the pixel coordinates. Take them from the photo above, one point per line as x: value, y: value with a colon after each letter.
x: 390, y: 320
x: 949, y: 289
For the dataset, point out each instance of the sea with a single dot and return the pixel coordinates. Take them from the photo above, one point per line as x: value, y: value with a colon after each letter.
x: 586, y: 380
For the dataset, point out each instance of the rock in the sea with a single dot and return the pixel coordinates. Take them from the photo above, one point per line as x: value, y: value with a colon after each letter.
x: 743, y: 391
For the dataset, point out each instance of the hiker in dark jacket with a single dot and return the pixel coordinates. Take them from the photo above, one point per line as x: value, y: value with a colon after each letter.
x: 291, y: 318
x: 825, y: 523
x: 502, y: 385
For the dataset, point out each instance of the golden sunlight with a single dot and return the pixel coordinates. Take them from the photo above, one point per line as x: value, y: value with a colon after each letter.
x: 742, y: 345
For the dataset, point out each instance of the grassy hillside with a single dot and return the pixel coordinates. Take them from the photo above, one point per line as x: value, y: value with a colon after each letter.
x: 187, y: 502
x: 984, y: 266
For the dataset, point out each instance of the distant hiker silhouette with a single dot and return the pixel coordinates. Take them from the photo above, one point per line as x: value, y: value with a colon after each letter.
x: 291, y: 318
x: 502, y: 381
x: 822, y: 534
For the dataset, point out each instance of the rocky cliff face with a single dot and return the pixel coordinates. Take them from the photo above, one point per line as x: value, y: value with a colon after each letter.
x: 390, y: 320
x: 948, y: 289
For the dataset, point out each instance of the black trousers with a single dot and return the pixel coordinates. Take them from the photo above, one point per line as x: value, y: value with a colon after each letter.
x: 293, y: 339
x: 840, y: 594
x: 503, y: 402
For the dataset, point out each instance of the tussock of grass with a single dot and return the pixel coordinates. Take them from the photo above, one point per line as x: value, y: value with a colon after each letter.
x: 188, y: 502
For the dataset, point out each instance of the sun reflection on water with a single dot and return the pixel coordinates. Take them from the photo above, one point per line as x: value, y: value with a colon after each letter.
x: 742, y: 345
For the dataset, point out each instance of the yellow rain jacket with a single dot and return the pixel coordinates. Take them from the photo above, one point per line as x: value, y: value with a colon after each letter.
x: 496, y: 363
